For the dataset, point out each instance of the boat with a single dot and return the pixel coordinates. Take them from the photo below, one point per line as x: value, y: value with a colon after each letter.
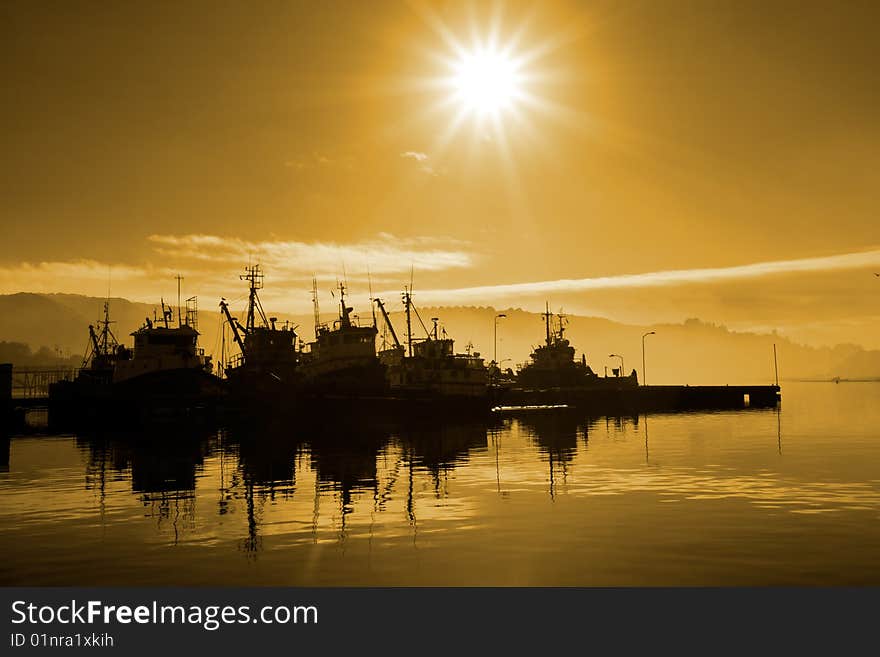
x: 428, y: 371
x: 265, y: 368
x: 164, y: 375
x: 553, y: 364
x: 342, y: 360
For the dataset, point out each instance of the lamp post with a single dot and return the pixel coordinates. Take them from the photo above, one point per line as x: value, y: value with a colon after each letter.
x: 495, y: 338
x: 621, y: 361
x: 645, y: 376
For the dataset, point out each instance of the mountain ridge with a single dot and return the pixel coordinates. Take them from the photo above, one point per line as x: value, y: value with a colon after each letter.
x: 694, y: 351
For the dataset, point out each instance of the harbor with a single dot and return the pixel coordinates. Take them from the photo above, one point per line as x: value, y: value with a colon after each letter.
x: 343, y: 312
x: 366, y: 370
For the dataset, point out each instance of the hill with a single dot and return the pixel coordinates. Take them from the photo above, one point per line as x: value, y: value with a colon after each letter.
x: 694, y: 351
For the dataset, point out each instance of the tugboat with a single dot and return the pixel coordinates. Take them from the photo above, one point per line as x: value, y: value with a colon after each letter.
x: 428, y: 371
x: 266, y: 367
x: 342, y: 360
x: 554, y: 378
x: 553, y: 364
x: 165, y: 375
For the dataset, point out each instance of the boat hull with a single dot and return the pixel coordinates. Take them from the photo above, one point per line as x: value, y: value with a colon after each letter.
x: 167, y: 395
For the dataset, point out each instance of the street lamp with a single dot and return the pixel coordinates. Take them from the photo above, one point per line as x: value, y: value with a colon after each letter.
x: 645, y: 376
x: 621, y: 361
x: 495, y: 338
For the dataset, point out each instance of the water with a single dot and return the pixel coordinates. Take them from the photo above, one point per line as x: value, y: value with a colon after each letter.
x: 751, y: 497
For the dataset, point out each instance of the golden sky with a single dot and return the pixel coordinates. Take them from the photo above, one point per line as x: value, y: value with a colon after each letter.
x: 659, y: 160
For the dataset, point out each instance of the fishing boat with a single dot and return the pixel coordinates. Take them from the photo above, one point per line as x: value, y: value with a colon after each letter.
x: 265, y: 369
x: 164, y: 374
x: 428, y: 370
x: 553, y: 364
x: 342, y: 360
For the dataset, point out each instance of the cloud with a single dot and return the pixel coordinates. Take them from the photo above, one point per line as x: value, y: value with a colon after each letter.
x: 422, y: 159
x: 384, y: 254
x: 317, y: 160
x: 211, y: 265
x: 790, y: 294
x: 675, y: 277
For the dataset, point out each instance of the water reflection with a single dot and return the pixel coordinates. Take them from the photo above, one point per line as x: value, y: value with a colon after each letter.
x: 162, y: 469
x: 256, y: 463
x: 354, y: 502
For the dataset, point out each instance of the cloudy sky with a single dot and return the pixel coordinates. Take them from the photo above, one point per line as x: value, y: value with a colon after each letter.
x: 652, y: 161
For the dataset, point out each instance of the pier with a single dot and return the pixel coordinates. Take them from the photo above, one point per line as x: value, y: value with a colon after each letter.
x: 23, y: 390
x: 645, y: 398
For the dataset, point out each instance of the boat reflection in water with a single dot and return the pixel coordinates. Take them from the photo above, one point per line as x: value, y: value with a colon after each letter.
x: 525, y: 496
x: 255, y: 464
x: 349, y: 460
x: 162, y: 470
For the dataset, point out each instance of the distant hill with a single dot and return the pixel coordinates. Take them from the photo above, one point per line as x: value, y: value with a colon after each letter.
x: 61, y: 321
x: 694, y: 351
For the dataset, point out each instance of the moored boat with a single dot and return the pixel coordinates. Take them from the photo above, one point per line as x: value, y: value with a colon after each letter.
x: 342, y: 360
x: 164, y: 375
x: 265, y: 369
x: 428, y: 371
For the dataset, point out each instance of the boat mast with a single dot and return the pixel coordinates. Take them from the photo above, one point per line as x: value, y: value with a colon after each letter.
x: 407, y: 302
x: 315, y: 304
x: 108, y: 340
x: 254, y: 277
x: 546, y: 314
x: 344, y: 311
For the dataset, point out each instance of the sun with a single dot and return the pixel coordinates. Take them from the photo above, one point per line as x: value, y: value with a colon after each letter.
x: 486, y: 81
x: 489, y: 82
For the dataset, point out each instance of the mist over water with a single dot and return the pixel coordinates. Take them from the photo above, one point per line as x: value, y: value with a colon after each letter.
x: 749, y: 497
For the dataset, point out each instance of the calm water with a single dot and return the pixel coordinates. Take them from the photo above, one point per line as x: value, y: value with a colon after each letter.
x: 752, y: 497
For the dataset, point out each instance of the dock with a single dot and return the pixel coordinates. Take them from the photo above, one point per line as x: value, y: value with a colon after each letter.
x: 644, y: 398
x: 22, y: 391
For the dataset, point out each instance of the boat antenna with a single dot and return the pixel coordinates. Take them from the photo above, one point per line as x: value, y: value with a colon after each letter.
x: 315, y: 304
x: 179, y: 280
x: 370, y: 284
x: 775, y: 365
